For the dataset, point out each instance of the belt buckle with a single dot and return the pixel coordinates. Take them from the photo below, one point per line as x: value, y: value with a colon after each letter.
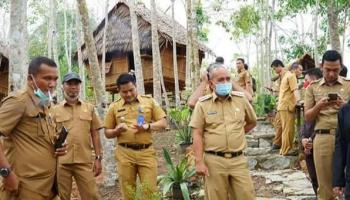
x: 228, y: 155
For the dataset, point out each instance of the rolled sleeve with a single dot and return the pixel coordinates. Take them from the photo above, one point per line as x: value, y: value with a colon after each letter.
x: 197, y: 119
x: 96, y: 122
x: 309, y: 98
x: 11, y: 112
x: 110, y: 121
x: 293, y: 83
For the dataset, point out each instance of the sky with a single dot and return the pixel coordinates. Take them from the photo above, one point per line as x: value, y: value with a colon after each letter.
x: 219, y: 40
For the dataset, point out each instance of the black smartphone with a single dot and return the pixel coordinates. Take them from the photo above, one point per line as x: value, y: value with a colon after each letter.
x: 61, y: 138
x: 332, y: 96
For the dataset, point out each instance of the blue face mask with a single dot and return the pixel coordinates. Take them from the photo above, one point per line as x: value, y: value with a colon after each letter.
x: 223, y: 89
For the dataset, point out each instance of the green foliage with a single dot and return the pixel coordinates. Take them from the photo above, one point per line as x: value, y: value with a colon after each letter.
x: 245, y: 21
x: 180, y: 117
x: 202, y: 20
x: 177, y: 175
x: 264, y: 104
x: 143, y: 191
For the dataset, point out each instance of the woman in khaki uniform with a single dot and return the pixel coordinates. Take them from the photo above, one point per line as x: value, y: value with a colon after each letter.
x: 27, y: 154
x: 131, y: 120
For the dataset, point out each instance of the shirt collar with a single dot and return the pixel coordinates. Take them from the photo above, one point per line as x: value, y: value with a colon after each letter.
x: 339, y: 80
x: 138, y: 98
x: 215, y: 96
x: 35, y: 99
x: 65, y: 103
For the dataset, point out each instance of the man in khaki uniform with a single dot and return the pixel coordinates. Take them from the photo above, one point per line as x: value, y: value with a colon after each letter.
x: 219, y: 123
x: 287, y: 100
x: 321, y: 106
x: 82, y: 124
x: 244, y: 78
x: 131, y: 120
x: 27, y: 154
x: 278, y: 66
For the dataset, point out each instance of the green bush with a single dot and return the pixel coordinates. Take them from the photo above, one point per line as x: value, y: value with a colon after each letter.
x: 180, y: 117
x: 264, y: 104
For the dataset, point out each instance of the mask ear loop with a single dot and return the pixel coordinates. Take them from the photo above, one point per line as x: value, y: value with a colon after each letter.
x: 31, y: 75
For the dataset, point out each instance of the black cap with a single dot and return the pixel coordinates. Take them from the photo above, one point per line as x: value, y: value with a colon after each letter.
x: 71, y: 76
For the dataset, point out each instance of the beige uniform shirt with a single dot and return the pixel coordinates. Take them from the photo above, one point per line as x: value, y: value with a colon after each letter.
x: 286, y: 98
x: 327, y: 118
x: 223, y: 121
x: 28, y: 146
x: 122, y: 112
x: 79, y: 119
x: 244, y: 79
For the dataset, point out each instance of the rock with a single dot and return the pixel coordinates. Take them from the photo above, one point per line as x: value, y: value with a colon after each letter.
x: 263, y: 143
x: 252, y: 163
x: 252, y: 142
x: 278, y: 162
x: 256, y: 151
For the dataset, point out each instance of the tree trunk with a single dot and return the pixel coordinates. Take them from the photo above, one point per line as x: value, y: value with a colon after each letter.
x: 108, y: 145
x: 345, y: 30
x: 80, y: 56
x: 53, y: 22
x: 69, y: 63
x: 196, y: 64
x: 18, y: 43
x: 156, y: 58
x: 176, y: 73
x: 136, y: 49
x: 103, y: 61
x: 189, y: 51
x: 315, y: 33
x: 333, y: 26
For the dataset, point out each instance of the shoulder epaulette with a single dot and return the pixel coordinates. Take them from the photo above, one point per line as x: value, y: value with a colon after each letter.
x: 315, y: 81
x: 117, y: 99
x: 206, y: 97
x: 239, y: 94
x: 146, y: 95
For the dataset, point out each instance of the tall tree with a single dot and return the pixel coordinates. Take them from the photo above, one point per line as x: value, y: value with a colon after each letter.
x: 189, y: 51
x: 108, y: 146
x: 195, y: 54
x: 155, y: 56
x: 18, y: 43
x: 176, y: 73
x: 332, y: 15
x: 103, y: 61
x: 136, y: 48
x: 80, y: 56
x: 66, y: 43
x: 315, y: 32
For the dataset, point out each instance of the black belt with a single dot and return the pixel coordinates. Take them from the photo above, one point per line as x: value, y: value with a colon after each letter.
x: 225, y: 154
x: 325, y: 131
x: 135, y: 146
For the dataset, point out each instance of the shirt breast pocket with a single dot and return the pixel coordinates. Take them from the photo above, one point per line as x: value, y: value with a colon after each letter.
x: 63, y: 120
x: 213, y: 121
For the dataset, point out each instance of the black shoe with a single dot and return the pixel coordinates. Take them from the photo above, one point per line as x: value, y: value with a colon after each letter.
x: 275, y: 147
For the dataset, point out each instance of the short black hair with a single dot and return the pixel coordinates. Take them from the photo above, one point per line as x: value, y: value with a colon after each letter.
x: 36, y: 63
x: 315, y: 72
x: 125, y: 78
x: 332, y: 55
x: 241, y: 59
x: 277, y: 63
x: 219, y: 59
x: 246, y: 67
x: 344, y: 71
x: 294, y: 65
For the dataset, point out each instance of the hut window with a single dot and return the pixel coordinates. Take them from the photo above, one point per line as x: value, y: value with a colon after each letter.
x: 131, y: 64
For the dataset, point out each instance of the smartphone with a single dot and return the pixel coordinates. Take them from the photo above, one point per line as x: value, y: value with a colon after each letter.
x: 332, y: 96
x: 61, y: 138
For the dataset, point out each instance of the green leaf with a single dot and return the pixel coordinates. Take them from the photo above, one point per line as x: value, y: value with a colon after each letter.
x: 168, y: 160
x: 167, y: 187
x: 184, y: 190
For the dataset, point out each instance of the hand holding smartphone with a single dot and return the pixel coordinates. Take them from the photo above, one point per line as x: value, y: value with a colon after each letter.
x: 61, y: 138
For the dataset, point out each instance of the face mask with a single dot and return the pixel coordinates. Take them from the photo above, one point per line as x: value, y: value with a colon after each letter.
x: 44, y: 99
x: 223, y: 89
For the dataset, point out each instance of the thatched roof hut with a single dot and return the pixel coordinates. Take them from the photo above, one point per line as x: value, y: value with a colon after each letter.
x: 119, y: 45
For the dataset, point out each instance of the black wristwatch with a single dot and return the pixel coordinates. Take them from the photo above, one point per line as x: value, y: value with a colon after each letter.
x: 99, y: 157
x: 5, y: 171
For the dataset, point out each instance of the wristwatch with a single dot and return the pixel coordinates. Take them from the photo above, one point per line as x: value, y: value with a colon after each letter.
x: 99, y: 157
x: 5, y: 171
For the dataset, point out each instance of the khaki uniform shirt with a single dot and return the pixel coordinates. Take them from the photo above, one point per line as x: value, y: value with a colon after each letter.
x: 123, y: 112
x: 79, y: 119
x: 223, y: 122
x: 286, y: 98
x: 29, y: 141
x: 244, y: 79
x: 327, y: 118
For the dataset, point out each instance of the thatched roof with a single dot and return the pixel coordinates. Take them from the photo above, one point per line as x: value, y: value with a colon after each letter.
x: 118, y: 34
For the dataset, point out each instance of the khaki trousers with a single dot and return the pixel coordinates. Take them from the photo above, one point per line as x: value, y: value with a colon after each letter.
x: 83, y: 175
x: 137, y: 162
x: 24, y: 194
x: 323, y: 156
x: 228, y: 176
x: 277, y: 140
x: 288, y: 121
